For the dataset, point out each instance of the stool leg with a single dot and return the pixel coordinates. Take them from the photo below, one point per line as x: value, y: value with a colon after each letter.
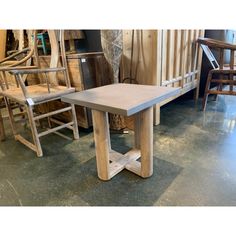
x: 102, y: 146
x: 146, y: 142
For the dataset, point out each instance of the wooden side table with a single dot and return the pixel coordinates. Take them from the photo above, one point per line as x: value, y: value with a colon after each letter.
x: 123, y: 99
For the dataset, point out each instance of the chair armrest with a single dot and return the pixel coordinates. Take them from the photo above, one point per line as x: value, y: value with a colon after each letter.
x: 35, y: 71
x: 10, y: 69
x: 213, y: 43
x: 14, y: 55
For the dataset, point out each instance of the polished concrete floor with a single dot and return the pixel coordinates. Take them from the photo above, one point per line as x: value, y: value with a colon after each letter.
x: 194, y: 164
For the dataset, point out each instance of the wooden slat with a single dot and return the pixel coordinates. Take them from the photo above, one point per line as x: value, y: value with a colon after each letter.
x: 59, y: 122
x: 25, y: 142
x: 164, y: 56
x: 183, y: 56
x: 52, y: 113
x: 170, y: 54
x: 222, y: 92
x: 55, y: 129
x: 177, y: 55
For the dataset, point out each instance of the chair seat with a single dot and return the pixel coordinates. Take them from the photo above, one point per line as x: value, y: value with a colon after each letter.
x: 38, y: 93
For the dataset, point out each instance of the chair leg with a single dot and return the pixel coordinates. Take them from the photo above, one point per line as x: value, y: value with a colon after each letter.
x: 2, y: 131
x: 75, y: 125
x: 34, y: 131
x: 11, y: 117
x: 204, y: 102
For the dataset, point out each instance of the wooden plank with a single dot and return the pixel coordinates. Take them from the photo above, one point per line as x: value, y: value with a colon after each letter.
x: 120, y: 162
x: 3, y: 37
x: 49, y: 131
x: 108, y: 98
x: 164, y: 56
x: 170, y: 54
x: 183, y: 56
x: 52, y: 113
x: 177, y: 54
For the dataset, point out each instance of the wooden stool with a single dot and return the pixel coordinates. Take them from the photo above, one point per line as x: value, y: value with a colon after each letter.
x: 123, y: 99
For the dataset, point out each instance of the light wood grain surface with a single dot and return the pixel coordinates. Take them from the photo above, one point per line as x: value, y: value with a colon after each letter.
x: 122, y: 99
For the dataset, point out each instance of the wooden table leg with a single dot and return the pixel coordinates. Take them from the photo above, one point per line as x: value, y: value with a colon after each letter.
x: 2, y: 131
x: 143, y: 141
x: 102, y: 143
x: 146, y: 142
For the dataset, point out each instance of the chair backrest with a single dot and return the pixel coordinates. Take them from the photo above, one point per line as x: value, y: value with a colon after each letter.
x: 21, y: 58
x: 207, y: 43
x: 57, y: 42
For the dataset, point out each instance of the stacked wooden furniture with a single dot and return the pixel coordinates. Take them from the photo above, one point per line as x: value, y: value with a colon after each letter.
x: 224, y: 72
x: 48, y: 89
x: 86, y: 70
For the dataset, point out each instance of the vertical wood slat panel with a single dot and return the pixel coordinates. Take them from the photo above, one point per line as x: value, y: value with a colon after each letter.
x: 177, y: 55
x: 164, y: 58
x: 170, y: 55
x: 183, y: 56
x: 164, y: 55
x: 194, y: 54
x: 188, y: 61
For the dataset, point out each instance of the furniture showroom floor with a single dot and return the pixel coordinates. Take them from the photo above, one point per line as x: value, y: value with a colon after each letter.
x: 194, y: 164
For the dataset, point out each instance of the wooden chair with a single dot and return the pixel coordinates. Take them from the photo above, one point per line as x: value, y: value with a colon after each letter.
x: 15, y: 60
x: 47, y: 90
x: 224, y: 72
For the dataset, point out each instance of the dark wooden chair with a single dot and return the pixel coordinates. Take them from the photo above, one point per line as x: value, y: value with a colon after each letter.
x: 46, y: 90
x: 221, y: 75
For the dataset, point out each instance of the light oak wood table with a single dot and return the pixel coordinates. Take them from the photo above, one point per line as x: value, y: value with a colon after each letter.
x: 126, y: 100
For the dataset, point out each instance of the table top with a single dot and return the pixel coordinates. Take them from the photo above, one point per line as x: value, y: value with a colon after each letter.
x: 123, y: 99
